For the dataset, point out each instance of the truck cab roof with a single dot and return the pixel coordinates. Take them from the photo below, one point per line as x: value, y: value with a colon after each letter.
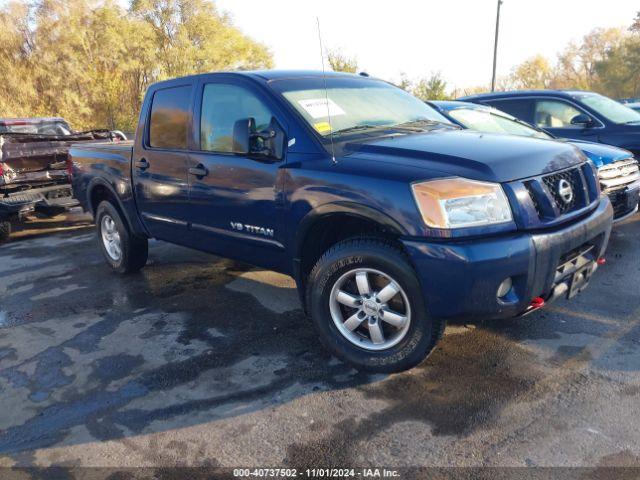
x: 264, y: 75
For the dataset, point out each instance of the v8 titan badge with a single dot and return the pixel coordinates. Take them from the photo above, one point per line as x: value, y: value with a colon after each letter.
x: 241, y: 227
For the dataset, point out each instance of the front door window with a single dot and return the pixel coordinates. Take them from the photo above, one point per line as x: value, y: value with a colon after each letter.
x: 555, y: 114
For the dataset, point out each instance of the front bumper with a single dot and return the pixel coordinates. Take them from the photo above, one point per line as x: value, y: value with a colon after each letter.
x: 460, y: 279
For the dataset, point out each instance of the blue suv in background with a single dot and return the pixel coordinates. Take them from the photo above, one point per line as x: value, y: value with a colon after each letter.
x: 570, y: 114
x: 617, y: 169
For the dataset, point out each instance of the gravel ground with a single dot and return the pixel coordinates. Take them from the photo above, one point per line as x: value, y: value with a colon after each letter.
x: 198, y: 360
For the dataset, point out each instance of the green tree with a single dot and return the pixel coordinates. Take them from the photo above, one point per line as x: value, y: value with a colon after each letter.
x: 535, y: 73
x: 404, y: 83
x: 18, y: 93
x: 577, y: 63
x: 341, y: 63
x: 431, y: 88
x: 90, y: 61
x: 191, y: 36
x: 619, y: 71
x: 605, y: 61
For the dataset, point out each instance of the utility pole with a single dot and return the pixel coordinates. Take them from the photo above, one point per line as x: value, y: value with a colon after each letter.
x: 495, y: 49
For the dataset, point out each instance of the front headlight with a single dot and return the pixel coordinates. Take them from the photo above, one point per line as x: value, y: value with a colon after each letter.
x: 459, y: 203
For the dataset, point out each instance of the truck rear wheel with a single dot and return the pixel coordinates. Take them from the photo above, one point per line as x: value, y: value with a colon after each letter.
x: 5, y: 231
x: 122, y: 251
x: 367, y: 305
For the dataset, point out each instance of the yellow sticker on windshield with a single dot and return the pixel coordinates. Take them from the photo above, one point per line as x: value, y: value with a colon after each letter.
x: 322, y: 127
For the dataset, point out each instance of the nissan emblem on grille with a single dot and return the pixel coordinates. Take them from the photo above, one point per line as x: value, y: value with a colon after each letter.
x: 565, y: 191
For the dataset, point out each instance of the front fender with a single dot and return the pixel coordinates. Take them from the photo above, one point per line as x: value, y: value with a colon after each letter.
x: 344, y: 208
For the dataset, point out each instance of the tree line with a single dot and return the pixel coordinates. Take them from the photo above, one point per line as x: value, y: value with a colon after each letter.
x: 605, y: 61
x: 428, y: 88
x: 90, y: 61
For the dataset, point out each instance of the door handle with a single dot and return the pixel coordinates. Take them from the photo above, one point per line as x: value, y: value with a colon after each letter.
x: 199, y: 171
x: 142, y: 164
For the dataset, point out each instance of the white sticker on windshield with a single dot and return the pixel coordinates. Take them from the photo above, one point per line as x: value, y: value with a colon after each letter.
x: 317, y: 107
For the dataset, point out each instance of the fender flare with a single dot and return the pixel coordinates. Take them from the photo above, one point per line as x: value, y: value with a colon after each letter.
x: 138, y: 228
x: 354, y: 209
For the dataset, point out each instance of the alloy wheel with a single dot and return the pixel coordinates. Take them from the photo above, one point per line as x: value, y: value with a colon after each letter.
x: 111, y: 238
x: 370, y: 309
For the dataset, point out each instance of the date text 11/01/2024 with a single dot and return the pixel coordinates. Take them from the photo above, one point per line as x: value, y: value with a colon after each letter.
x: 316, y: 472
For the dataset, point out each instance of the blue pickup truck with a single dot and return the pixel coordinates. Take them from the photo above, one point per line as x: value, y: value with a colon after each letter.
x: 390, y: 219
x: 617, y: 168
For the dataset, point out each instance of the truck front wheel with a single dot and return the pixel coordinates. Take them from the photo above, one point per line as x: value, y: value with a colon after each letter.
x: 367, y: 305
x: 122, y: 251
x: 5, y: 231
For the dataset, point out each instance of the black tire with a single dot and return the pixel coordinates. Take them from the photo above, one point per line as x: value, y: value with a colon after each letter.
x: 134, y: 250
x: 5, y: 231
x: 423, y: 332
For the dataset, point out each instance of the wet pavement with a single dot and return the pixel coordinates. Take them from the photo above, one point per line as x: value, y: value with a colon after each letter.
x: 199, y: 360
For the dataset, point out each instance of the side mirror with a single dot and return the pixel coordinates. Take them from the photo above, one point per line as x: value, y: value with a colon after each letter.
x: 273, y: 140
x: 241, y: 132
x: 582, y: 119
x: 268, y: 143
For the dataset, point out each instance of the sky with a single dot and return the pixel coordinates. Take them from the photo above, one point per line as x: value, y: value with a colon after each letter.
x: 420, y: 37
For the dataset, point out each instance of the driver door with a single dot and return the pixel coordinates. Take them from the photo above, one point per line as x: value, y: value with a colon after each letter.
x: 555, y: 117
x: 236, y: 201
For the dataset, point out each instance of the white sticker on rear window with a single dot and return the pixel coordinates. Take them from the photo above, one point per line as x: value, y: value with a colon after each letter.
x: 317, y: 107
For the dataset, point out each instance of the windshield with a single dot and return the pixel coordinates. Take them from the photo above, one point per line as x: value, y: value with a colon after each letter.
x: 610, y: 109
x: 356, y: 105
x: 42, y: 128
x: 490, y: 122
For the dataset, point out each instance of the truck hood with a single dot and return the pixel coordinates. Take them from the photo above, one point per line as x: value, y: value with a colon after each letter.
x: 470, y: 154
x: 601, y: 154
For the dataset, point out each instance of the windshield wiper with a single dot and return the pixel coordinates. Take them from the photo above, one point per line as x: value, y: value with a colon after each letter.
x: 412, y: 125
x: 356, y: 128
x: 424, y: 121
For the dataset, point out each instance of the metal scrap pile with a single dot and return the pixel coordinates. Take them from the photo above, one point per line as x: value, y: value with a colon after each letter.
x: 27, y: 159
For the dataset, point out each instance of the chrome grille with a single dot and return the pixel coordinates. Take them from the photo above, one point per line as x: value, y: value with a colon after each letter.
x: 618, y: 175
x: 553, y: 182
x: 547, y: 198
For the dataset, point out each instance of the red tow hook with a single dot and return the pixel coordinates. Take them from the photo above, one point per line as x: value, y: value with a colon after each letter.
x: 601, y: 261
x: 537, y: 303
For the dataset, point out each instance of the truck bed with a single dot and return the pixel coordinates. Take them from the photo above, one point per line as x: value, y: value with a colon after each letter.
x: 107, y: 162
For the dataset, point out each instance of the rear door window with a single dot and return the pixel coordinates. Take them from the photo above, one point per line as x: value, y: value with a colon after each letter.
x: 169, y: 122
x: 522, y: 109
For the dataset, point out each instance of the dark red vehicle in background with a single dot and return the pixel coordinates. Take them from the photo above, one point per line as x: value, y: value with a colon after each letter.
x: 33, y: 167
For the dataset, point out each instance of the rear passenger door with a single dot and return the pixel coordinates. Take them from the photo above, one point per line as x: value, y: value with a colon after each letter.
x: 519, y: 108
x: 236, y: 203
x: 160, y: 164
